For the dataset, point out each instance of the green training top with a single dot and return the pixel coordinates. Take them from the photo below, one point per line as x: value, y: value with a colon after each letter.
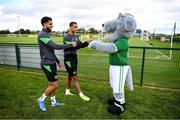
x: 120, y: 58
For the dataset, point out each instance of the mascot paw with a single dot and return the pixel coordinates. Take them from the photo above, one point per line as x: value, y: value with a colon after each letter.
x: 111, y: 38
x: 116, y: 110
x: 111, y: 101
x: 94, y: 44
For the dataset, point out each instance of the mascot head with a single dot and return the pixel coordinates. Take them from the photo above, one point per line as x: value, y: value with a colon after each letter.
x: 123, y: 26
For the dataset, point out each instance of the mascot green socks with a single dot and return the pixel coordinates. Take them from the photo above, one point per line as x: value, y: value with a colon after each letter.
x: 121, y: 30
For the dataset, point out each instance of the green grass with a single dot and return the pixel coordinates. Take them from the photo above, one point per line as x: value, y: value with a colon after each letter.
x: 20, y: 90
x: 162, y: 44
x: 133, y: 42
x: 25, y: 39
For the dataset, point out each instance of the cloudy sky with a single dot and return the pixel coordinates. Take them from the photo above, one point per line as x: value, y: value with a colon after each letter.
x: 152, y: 15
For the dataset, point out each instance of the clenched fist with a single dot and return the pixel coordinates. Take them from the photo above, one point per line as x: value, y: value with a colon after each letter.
x: 74, y: 44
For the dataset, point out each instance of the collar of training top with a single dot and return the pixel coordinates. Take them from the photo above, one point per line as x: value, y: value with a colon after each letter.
x: 45, y: 30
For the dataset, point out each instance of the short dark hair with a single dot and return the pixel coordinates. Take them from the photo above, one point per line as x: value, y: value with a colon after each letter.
x: 71, y: 23
x: 45, y: 20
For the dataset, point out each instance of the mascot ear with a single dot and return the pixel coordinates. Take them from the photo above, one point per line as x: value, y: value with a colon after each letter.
x: 129, y: 23
x: 120, y: 14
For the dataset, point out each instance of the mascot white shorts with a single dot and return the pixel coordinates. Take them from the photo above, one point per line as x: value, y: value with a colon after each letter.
x: 118, y: 76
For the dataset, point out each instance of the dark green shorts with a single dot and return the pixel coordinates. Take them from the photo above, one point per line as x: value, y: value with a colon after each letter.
x: 50, y: 71
x: 70, y: 63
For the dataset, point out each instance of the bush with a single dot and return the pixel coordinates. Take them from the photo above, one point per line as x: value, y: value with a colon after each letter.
x: 177, y: 38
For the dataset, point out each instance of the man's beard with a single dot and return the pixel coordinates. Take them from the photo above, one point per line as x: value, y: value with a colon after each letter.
x: 49, y: 30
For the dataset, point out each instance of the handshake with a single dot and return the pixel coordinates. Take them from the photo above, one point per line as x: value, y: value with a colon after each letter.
x: 74, y: 44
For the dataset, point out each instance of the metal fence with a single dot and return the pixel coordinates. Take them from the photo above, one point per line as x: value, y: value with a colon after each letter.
x: 22, y: 55
x: 152, y: 66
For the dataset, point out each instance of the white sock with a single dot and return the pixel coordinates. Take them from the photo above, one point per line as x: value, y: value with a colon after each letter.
x: 53, y: 99
x: 67, y: 90
x: 43, y: 97
x: 81, y: 94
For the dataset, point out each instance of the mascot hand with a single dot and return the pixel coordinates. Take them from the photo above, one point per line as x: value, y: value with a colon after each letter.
x: 94, y: 44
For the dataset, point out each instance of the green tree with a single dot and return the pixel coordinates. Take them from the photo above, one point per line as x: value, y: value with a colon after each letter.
x: 4, y: 31
x: 92, y: 30
x: 81, y: 30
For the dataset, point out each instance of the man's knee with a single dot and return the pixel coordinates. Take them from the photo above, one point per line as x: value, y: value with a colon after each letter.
x: 57, y: 85
x: 75, y: 78
x: 69, y: 77
x: 54, y: 84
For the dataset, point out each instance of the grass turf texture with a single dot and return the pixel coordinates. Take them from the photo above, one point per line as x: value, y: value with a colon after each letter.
x: 20, y: 90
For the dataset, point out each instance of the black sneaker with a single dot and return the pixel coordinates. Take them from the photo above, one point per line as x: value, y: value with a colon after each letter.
x: 111, y: 101
x: 117, y: 108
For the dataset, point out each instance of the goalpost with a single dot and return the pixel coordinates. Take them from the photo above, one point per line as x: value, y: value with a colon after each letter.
x: 144, y: 36
x: 172, y: 37
x: 161, y: 54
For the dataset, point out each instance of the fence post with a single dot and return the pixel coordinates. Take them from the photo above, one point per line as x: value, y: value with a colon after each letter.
x: 142, y: 66
x: 18, y: 58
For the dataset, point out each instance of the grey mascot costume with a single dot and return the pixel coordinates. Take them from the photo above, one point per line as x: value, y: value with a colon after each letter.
x: 121, y: 30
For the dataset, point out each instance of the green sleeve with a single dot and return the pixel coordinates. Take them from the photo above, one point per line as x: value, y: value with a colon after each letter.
x: 45, y: 40
x: 66, y: 41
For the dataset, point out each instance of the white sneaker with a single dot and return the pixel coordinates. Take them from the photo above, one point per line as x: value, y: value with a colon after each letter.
x: 85, y: 98
x: 56, y: 104
x: 69, y: 93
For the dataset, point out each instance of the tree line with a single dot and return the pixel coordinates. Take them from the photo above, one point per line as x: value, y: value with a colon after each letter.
x: 92, y: 31
x: 27, y: 31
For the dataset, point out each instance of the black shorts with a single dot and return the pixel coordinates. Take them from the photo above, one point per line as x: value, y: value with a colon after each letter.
x: 71, y: 63
x: 50, y: 71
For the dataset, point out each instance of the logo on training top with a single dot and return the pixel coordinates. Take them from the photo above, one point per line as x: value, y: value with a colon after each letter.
x: 74, y: 39
x: 74, y: 72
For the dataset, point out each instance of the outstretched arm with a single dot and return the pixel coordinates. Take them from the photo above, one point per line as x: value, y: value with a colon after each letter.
x: 81, y: 45
x: 103, y: 47
x: 58, y: 47
x: 53, y: 45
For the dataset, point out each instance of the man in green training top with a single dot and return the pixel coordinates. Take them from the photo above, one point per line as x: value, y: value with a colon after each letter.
x: 49, y: 60
x: 71, y: 61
